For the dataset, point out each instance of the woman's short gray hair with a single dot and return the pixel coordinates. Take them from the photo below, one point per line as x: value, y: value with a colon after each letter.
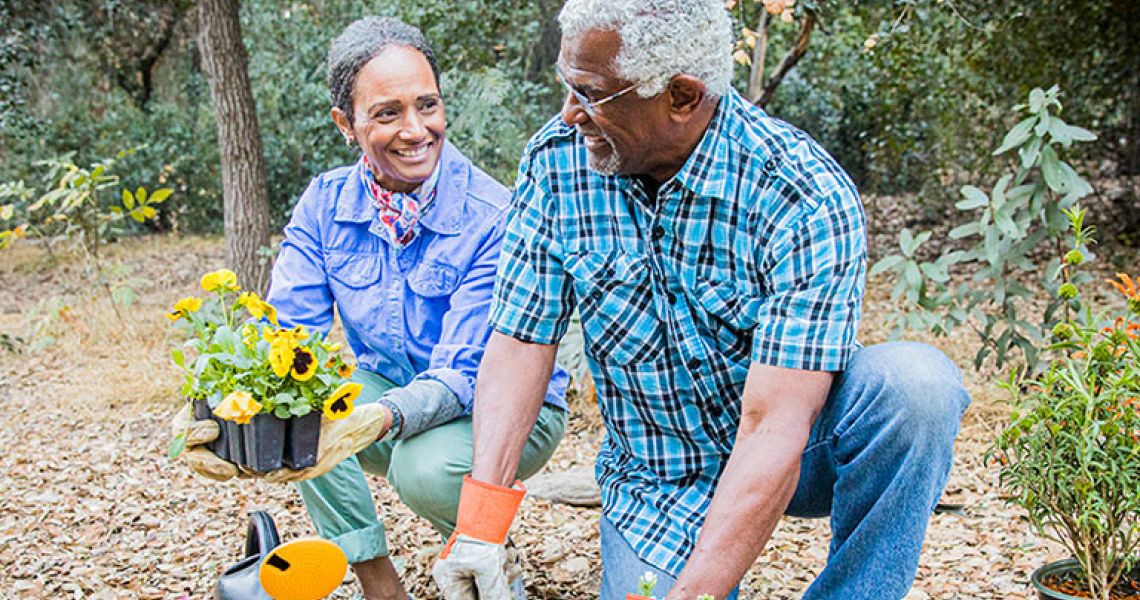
x: 359, y: 43
x: 661, y: 39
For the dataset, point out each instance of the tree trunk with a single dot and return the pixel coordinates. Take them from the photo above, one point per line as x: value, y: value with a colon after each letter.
x: 245, y: 199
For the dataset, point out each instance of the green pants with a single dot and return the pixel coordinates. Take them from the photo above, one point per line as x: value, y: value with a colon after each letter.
x: 426, y: 470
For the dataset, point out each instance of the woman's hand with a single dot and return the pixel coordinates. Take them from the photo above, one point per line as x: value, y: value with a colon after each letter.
x: 196, y: 455
x: 341, y: 439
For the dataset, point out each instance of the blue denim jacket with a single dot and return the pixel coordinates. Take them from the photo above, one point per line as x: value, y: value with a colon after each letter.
x: 416, y: 314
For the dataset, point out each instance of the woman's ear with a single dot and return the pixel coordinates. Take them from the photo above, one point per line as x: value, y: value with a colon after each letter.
x: 686, y: 93
x: 343, y: 124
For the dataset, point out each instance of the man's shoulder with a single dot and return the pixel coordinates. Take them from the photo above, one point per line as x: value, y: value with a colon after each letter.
x: 781, y: 150
x: 553, y: 138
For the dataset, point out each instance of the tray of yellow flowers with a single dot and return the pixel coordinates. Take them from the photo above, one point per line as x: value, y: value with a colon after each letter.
x: 267, y: 386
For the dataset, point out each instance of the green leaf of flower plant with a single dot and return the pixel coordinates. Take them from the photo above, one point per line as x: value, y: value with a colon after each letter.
x: 177, y: 446
x: 128, y: 199
x: 1017, y: 135
x: 159, y: 195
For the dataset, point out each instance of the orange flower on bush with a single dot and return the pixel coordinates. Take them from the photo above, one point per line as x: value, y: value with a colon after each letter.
x: 1125, y: 285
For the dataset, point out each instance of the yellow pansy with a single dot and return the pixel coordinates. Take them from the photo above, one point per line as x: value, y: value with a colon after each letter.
x: 281, y: 356
x: 257, y: 307
x: 239, y: 407
x: 184, y: 307
x: 304, y: 364
x: 221, y: 280
x: 346, y: 370
x: 249, y: 335
x: 293, y: 335
x: 339, y: 404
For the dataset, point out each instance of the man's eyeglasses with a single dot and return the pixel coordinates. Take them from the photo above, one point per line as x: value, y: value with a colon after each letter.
x: 588, y: 105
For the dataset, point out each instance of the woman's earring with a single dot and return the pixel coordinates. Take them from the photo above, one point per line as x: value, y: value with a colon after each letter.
x: 348, y: 141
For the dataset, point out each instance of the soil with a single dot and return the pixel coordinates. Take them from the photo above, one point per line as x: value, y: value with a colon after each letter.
x: 1071, y: 583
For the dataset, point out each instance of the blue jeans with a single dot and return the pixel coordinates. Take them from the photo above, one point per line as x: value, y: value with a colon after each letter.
x: 876, y: 462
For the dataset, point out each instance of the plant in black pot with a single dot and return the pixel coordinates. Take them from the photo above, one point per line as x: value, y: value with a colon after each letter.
x: 1070, y: 455
x: 266, y: 386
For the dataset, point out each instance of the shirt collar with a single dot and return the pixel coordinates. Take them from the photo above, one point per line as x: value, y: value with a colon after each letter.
x: 705, y: 172
x: 449, y: 178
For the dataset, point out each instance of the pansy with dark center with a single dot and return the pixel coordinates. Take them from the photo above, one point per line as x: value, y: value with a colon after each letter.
x: 304, y: 363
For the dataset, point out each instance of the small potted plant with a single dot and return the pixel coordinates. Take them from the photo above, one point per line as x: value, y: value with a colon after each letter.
x: 645, y: 585
x: 1070, y: 455
x: 266, y: 386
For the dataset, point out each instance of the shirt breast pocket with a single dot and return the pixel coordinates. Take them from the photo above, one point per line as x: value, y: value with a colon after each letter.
x: 354, y: 270
x: 434, y: 280
x: 615, y: 301
x: 729, y: 315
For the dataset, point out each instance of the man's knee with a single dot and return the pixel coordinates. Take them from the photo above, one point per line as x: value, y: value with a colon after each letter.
x: 915, y: 383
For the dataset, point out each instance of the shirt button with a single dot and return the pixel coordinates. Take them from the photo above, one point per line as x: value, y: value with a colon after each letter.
x: 658, y: 232
x: 694, y: 364
x: 596, y: 295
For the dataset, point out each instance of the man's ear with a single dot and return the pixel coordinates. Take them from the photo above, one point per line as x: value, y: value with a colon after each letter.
x: 342, y: 123
x: 685, y: 93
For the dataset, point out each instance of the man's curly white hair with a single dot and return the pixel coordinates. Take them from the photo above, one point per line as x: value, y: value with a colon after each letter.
x: 661, y: 39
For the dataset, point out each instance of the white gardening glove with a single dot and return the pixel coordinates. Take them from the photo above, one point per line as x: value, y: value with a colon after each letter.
x: 471, y: 566
x: 473, y: 570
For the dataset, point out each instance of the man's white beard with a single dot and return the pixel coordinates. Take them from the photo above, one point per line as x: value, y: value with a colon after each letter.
x: 609, y: 165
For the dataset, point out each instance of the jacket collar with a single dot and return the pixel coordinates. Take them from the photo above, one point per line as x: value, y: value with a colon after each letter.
x: 445, y: 216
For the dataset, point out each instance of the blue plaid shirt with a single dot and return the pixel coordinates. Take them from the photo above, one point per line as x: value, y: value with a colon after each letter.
x: 753, y: 252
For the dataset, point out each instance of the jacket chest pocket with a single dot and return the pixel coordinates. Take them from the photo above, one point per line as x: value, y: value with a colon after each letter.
x: 615, y: 301
x: 354, y: 270
x: 434, y: 279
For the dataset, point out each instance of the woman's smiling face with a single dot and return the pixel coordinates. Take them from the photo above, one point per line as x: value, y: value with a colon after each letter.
x: 398, y: 117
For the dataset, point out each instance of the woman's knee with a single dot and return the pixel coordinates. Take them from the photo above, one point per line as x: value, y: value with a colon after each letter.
x: 427, y: 478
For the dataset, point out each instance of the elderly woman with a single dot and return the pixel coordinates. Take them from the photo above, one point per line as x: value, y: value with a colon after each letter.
x: 404, y: 244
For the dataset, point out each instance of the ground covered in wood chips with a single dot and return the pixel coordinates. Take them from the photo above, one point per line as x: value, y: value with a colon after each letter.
x: 90, y: 507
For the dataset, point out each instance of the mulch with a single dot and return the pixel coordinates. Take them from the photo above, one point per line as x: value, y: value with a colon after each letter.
x: 91, y: 508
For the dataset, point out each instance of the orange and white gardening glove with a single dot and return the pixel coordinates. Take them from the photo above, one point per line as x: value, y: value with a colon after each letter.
x: 471, y: 566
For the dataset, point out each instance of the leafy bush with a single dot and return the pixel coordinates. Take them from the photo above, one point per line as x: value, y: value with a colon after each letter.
x: 1021, y: 214
x: 1071, y: 453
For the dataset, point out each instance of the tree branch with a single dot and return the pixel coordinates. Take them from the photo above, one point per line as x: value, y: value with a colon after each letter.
x: 793, y: 56
x: 759, y: 55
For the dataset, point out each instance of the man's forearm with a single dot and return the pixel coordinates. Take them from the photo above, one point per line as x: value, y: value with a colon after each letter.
x: 754, y: 490
x: 509, y: 392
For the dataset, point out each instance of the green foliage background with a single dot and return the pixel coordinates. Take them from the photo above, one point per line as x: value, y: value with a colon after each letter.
x: 918, y: 112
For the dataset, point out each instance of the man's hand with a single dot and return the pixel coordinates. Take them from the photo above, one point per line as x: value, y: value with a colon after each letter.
x: 473, y: 570
x: 196, y: 455
x: 341, y: 439
x: 471, y: 566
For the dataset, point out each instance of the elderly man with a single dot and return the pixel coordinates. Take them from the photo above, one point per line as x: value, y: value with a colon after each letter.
x: 717, y: 258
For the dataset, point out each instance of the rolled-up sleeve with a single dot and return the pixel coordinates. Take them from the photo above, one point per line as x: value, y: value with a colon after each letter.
x: 815, y: 278
x: 533, y: 297
x: 299, y: 288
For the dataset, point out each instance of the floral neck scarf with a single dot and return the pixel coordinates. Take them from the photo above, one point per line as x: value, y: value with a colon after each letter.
x: 399, y: 212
